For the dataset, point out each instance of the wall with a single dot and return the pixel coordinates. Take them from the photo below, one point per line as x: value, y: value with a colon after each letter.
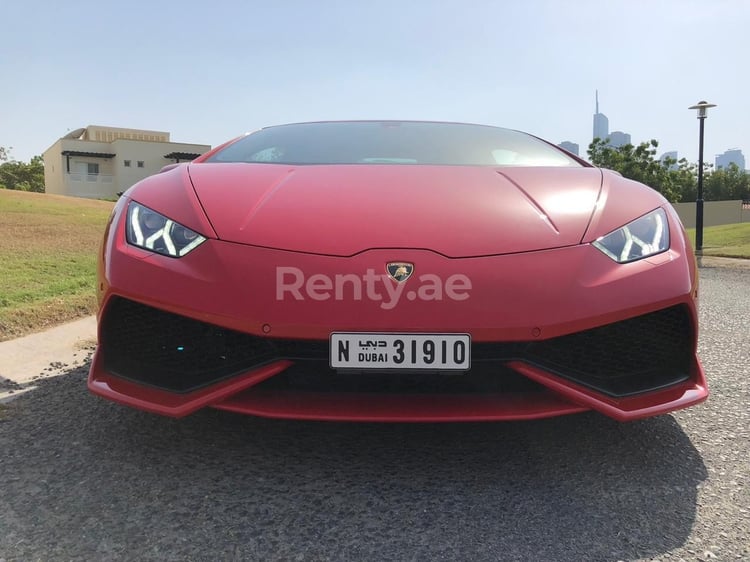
x: 714, y: 213
x: 60, y: 181
x: 110, y: 134
x: 54, y: 169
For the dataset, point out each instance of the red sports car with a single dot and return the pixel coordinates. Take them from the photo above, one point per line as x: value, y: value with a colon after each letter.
x: 396, y: 271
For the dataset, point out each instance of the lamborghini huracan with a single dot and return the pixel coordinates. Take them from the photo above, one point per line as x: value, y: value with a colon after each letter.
x: 396, y: 271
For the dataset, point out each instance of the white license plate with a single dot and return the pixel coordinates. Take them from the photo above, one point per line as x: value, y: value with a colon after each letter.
x: 356, y: 350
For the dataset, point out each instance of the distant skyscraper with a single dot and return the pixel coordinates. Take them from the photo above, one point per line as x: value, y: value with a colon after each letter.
x: 569, y: 146
x: 601, y: 123
x: 618, y: 138
x: 673, y: 155
x: 731, y: 156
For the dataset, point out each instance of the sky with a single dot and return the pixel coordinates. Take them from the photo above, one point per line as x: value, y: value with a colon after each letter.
x: 210, y: 71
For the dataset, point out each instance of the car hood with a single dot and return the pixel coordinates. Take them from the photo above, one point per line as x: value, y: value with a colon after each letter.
x: 342, y: 210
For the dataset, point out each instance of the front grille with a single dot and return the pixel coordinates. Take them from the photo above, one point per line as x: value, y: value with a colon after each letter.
x: 173, y: 352
x: 627, y: 357
x: 179, y: 354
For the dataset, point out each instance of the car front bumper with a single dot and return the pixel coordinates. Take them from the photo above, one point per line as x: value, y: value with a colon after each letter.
x: 567, y: 329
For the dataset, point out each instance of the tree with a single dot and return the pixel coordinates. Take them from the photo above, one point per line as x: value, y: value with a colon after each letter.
x: 685, y: 178
x: 639, y: 163
x: 5, y: 153
x: 727, y: 183
x: 22, y: 176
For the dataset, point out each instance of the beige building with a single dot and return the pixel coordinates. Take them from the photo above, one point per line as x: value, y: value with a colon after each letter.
x: 100, y: 162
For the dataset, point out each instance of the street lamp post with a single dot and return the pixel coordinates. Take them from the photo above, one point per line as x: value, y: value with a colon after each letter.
x: 702, y: 107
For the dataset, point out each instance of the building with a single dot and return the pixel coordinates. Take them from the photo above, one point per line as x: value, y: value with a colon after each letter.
x: 601, y: 123
x: 100, y: 162
x: 618, y: 138
x: 601, y: 129
x: 672, y: 155
x: 731, y: 156
x: 569, y: 146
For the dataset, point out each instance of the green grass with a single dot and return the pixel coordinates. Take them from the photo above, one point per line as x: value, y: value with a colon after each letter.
x: 48, y: 253
x: 729, y: 240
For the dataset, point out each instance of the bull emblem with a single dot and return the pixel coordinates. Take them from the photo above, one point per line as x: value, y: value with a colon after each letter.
x: 399, y: 271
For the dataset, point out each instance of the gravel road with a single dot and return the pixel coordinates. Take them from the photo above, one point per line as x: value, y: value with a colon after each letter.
x: 82, y: 478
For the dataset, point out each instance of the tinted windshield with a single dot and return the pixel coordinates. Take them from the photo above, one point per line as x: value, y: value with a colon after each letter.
x: 393, y: 142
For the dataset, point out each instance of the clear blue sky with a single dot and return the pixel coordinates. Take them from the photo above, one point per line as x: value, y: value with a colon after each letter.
x: 208, y: 71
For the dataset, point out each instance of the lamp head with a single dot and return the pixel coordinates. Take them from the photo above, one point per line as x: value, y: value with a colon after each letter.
x: 702, y: 107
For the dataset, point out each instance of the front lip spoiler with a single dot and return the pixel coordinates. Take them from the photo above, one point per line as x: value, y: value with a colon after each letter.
x: 560, y: 397
x: 631, y: 408
x: 171, y: 404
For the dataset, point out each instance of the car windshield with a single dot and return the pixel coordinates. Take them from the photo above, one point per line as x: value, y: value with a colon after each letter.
x: 393, y: 142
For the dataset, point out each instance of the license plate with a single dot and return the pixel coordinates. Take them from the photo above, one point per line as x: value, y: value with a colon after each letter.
x: 356, y: 350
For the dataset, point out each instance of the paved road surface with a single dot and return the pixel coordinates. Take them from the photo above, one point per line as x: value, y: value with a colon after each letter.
x: 81, y: 478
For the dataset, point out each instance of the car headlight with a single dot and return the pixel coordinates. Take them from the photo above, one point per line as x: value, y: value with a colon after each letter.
x: 149, y: 230
x: 639, y: 239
